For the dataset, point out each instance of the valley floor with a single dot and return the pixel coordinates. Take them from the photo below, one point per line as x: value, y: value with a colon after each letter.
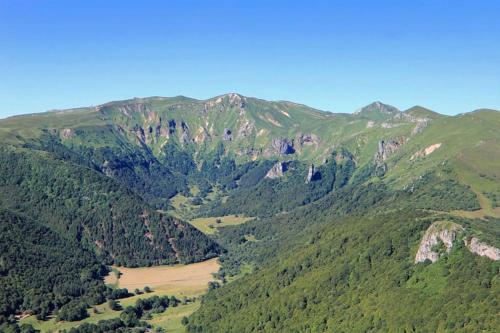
x: 180, y: 281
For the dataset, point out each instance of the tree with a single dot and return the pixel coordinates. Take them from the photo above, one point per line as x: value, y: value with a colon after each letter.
x: 114, y: 305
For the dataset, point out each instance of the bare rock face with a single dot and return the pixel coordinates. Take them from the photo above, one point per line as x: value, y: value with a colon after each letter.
x: 302, y: 140
x: 280, y: 146
x: 310, y: 174
x: 236, y: 100
x: 421, y: 124
x: 67, y: 133
x: 482, y: 249
x: 139, y: 133
x: 185, y: 134
x: 386, y: 148
x: 227, y: 135
x: 424, y: 152
x: 308, y: 139
x: 129, y: 109
x: 276, y: 171
x: 246, y: 129
x: 230, y: 100
x: 202, y: 135
x: 446, y: 232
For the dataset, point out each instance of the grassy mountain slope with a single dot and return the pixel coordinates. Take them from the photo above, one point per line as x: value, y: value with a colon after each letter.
x: 334, y: 252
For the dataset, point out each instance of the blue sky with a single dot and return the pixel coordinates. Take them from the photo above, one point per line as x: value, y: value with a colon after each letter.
x: 332, y: 55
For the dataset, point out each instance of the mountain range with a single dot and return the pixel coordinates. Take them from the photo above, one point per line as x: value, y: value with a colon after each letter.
x: 377, y: 221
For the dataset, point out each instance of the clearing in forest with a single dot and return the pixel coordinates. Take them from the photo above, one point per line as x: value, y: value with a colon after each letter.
x: 209, y: 225
x: 184, y: 279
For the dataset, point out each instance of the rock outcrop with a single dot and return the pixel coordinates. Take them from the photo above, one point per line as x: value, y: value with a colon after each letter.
x: 384, y: 151
x: 67, y: 133
x: 309, y: 139
x: 130, y: 108
x: 310, y: 174
x: 246, y: 128
x: 185, y: 134
x: 230, y: 100
x: 446, y: 232
x: 227, y: 135
x: 427, y: 151
x: 276, y: 171
x: 482, y: 249
x: 280, y: 146
x: 420, y: 126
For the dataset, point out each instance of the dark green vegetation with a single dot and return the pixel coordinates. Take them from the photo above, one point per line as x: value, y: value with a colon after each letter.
x: 341, y: 203
x: 345, y: 264
x: 130, y: 318
x: 356, y: 275
x: 93, y: 209
x: 41, y: 271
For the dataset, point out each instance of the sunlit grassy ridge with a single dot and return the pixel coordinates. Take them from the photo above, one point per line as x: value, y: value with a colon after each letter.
x: 190, y: 158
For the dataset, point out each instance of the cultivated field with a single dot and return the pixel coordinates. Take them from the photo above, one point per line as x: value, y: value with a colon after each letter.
x: 178, y: 278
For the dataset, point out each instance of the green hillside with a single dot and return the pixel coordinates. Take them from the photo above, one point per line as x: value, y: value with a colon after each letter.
x: 338, y: 206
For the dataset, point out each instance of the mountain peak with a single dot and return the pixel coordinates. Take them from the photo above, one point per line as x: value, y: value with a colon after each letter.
x: 422, y: 112
x: 377, y: 111
x: 378, y: 106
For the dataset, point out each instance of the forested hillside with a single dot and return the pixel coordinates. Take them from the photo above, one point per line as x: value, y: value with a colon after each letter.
x: 336, y: 207
x: 41, y: 270
x: 356, y: 274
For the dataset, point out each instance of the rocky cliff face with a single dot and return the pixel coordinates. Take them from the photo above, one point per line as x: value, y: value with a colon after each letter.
x: 310, y: 174
x: 482, y: 249
x: 421, y: 124
x: 185, y: 134
x: 445, y: 232
x: 309, y: 139
x: 280, y: 146
x: 276, y: 171
x: 386, y: 148
x: 67, y: 133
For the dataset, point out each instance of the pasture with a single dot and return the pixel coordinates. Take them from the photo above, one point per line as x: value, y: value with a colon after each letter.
x: 209, y: 225
x: 179, y: 280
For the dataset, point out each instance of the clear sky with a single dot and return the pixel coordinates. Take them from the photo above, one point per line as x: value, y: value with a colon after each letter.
x: 332, y: 55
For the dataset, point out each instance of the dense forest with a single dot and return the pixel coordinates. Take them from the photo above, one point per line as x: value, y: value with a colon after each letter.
x: 92, y: 209
x: 346, y: 273
x: 41, y: 271
x: 62, y: 221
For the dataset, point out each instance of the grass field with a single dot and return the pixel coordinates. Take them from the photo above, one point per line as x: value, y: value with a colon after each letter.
x: 177, y: 279
x: 180, y: 280
x: 209, y: 225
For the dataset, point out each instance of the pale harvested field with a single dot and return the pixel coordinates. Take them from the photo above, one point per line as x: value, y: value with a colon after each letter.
x: 188, y: 278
